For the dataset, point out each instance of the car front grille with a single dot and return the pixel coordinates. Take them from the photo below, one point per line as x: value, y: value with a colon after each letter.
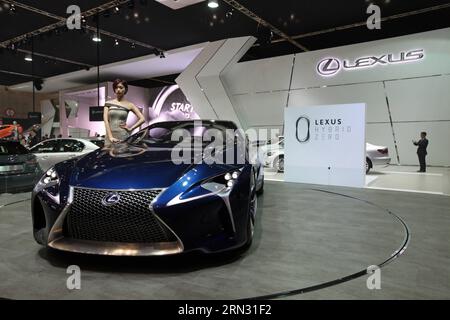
x: 130, y: 220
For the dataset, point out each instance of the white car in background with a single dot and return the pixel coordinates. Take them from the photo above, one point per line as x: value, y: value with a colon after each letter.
x: 52, y: 151
x: 376, y: 156
x: 272, y: 155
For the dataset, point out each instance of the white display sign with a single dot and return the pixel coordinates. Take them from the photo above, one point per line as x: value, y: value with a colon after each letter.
x: 326, y: 144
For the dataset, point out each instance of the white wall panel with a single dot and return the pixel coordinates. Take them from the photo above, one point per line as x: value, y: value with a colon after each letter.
x: 262, y: 109
x: 260, y: 75
x: 370, y: 93
x: 438, y: 148
x: 423, y: 99
x: 437, y: 60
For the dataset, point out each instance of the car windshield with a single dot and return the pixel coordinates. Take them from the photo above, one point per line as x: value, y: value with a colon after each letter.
x: 171, y: 132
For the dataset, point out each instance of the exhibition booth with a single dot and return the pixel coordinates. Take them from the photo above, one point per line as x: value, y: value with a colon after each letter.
x: 402, y: 81
x: 313, y: 207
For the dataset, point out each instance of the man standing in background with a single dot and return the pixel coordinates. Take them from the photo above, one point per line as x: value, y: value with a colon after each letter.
x: 422, y: 151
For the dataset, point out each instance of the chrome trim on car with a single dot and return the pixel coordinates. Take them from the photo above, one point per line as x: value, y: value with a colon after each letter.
x: 226, y: 198
x: 124, y: 190
x: 53, y: 197
x: 117, y: 248
x: 177, y: 199
x: 223, y: 193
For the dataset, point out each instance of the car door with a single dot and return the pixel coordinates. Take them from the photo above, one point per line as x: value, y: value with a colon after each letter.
x: 45, y: 153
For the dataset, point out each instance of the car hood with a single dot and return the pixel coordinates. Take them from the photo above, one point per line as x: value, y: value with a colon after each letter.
x: 127, y: 167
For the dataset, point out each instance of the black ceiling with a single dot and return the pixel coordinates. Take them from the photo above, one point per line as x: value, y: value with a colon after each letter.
x: 157, y: 25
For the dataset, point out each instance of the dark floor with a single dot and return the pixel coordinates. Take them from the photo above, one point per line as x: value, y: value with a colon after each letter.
x: 304, y: 237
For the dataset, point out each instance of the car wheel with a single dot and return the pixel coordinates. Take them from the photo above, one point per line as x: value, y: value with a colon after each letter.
x: 260, y: 191
x: 252, y: 207
x: 251, y: 221
x: 40, y: 236
x: 279, y: 164
x: 368, y: 165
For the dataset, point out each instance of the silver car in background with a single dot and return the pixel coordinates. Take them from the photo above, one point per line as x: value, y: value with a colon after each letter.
x: 52, y: 151
x: 272, y: 155
x: 376, y: 156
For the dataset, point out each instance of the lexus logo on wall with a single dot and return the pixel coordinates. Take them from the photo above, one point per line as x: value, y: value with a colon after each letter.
x: 331, y: 66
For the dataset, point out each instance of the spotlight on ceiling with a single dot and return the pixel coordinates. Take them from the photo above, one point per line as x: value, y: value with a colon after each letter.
x: 28, y: 58
x: 96, y: 38
x: 12, y: 9
x: 116, y: 9
x: 213, y: 4
x: 133, y: 46
x: 116, y: 42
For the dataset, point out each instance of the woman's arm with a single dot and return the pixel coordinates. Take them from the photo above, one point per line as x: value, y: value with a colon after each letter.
x: 138, y: 114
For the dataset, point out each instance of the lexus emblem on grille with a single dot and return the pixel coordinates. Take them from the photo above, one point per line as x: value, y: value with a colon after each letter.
x: 110, y: 199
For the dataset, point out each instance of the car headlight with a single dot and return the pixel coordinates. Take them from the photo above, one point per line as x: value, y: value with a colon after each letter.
x: 50, y: 178
x: 226, y: 181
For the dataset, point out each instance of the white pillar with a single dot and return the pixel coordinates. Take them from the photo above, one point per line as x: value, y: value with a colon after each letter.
x: 202, y: 83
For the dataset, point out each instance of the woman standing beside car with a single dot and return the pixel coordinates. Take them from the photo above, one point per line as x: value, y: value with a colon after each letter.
x: 115, y: 114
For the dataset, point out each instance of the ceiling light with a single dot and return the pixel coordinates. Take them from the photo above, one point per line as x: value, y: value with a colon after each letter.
x: 116, y: 9
x: 133, y: 45
x: 116, y: 42
x: 213, y: 4
x: 96, y: 38
x: 28, y: 58
x: 12, y: 9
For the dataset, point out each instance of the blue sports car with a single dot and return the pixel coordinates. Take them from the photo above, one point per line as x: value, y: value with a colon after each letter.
x: 157, y: 193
